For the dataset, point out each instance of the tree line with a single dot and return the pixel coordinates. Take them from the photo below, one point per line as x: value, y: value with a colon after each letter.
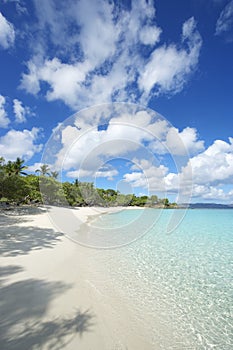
x: 18, y: 187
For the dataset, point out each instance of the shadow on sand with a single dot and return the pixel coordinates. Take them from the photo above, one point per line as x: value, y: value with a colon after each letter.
x: 24, y: 324
x: 16, y: 240
x: 22, y: 210
x: 23, y: 305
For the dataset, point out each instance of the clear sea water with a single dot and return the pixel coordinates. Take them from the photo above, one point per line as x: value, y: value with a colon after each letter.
x: 179, y: 284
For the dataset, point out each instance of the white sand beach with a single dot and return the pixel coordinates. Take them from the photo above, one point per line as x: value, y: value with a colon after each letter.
x: 54, y: 293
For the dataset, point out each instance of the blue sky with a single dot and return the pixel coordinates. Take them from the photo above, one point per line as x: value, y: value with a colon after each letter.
x: 173, y: 57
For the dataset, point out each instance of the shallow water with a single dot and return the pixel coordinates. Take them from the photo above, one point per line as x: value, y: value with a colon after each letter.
x: 180, y: 284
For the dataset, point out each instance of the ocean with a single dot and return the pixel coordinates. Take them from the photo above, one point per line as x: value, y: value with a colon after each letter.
x: 179, y: 283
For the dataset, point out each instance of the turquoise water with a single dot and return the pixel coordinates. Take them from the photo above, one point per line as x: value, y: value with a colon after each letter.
x: 179, y: 284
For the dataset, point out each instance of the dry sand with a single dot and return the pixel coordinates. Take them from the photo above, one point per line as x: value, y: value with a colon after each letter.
x: 54, y: 293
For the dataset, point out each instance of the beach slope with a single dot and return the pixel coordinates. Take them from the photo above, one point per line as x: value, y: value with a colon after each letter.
x: 54, y: 293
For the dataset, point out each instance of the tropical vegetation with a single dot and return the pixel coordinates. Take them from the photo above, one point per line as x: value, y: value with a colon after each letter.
x: 18, y: 187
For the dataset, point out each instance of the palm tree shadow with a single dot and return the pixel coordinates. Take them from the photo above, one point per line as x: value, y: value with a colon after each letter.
x: 7, y: 218
x: 23, y: 306
x: 18, y: 211
x: 16, y: 240
x: 23, y: 303
x: 53, y: 334
x: 9, y: 270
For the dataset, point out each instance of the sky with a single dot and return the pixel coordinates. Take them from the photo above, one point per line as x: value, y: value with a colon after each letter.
x: 132, y: 95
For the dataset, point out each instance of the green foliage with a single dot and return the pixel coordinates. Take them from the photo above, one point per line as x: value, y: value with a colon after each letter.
x: 44, y: 170
x: 72, y: 194
x: 139, y: 201
x: 19, y: 167
x: 34, y: 188
x: 54, y: 174
x: 51, y: 190
x: 16, y: 188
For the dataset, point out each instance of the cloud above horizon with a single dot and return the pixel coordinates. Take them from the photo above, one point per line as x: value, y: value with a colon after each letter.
x: 4, y: 120
x: 21, y: 144
x: 81, y: 53
x: 103, y: 53
x: 207, y: 172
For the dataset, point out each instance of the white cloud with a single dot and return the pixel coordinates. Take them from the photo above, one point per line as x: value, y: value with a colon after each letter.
x: 20, y: 144
x: 7, y: 33
x: 168, y: 67
x: 109, y: 174
x: 78, y: 174
x: 184, y: 141
x: 225, y: 20
x: 128, y: 131
x: 81, y: 173
x: 131, y: 132
x: 99, y: 34
x: 150, y: 35
x: 4, y: 120
x: 32, y: 168
x: 214, y: 166
x: 116, y: 141
x: 31, y: 82
x: 103, y: 60
x: 150, y: 176
x: 203, y: 178
x: 64, y: 79
x: 209, y: 193
x: 175, y: 142
x: 205, y: 174
x: 208, y: 173
x: 20, y: 111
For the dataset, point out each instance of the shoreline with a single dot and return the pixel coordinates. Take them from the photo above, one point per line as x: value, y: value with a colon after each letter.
x: 54, y: 290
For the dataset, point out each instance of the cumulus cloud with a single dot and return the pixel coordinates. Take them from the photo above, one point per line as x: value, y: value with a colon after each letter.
x: 187, y: 140
x: 31, y: 82
x: 4, y: 120
x: 150, y: 176
x: 168, y: 66
x: 176, y: 142
x: 109, y: 174
x: 150, y: 35
x: 117, y: 140
x: 81, y: 149
x: 20, y: 111
x: 127, y: 130
x: 106, y: 54
x: 225, y: 21
x: 7, y: 33
x: 214, y: 166
x: 207, y: 173
x: 209, y: 193
x: 20, y: 144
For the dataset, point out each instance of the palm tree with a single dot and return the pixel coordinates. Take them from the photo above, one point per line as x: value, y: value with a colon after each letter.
x: 54, y: 174
x: 44, y: 170
x: 18, y: 167
x: 9, y: 169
